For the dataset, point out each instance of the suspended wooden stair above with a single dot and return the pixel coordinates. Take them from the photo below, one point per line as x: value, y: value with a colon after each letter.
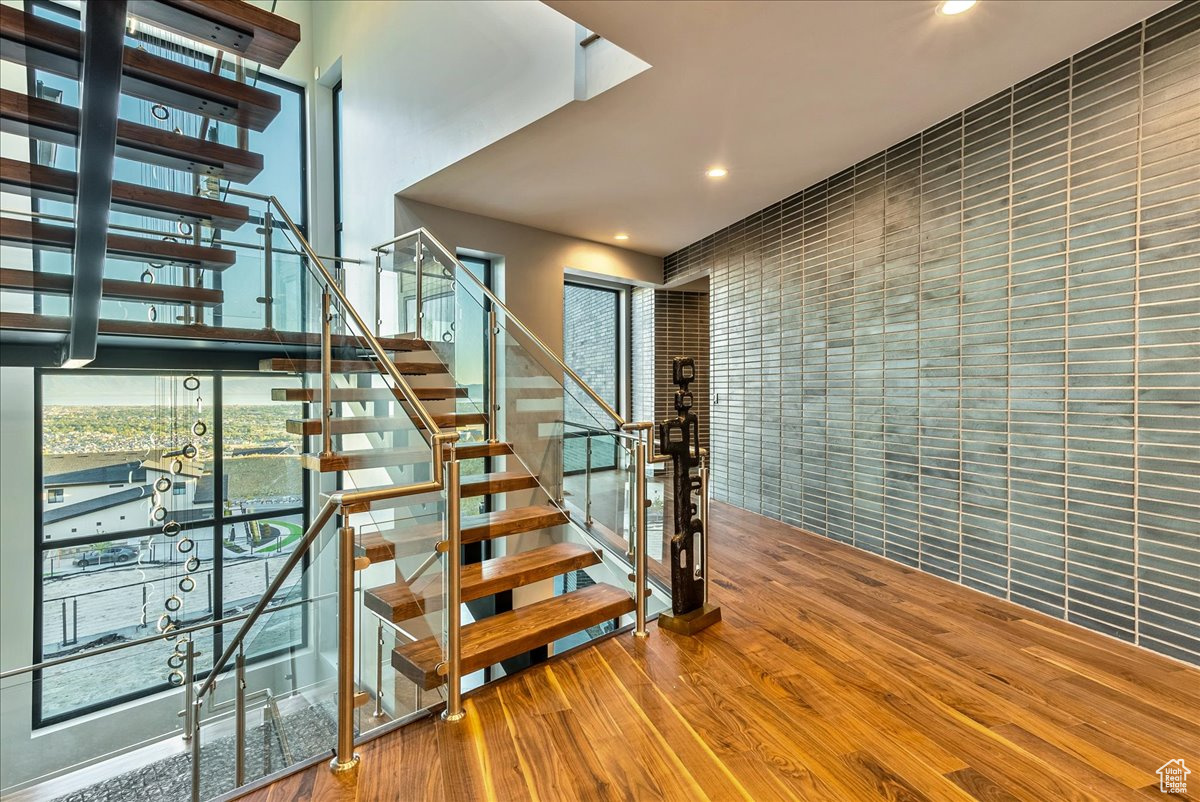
x: 38, y: 42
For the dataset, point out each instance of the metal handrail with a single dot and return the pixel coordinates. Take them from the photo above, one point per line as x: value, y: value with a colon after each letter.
x: 174, y: 633
x: 497, y: 303
x: 347, y: 308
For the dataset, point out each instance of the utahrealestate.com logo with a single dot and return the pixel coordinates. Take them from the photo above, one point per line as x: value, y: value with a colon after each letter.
x: 1172, y: 777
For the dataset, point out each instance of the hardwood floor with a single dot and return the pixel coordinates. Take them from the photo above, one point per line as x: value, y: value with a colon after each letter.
x: 835, y: 675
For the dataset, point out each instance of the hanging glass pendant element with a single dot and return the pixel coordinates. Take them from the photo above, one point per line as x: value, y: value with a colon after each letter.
x: 191, y: 383
x: 190, y: 451
x: 176, y: 465
x: 198, y: 428
x: 175, y: 678
x: 171, y: 528
x: 192, y: 564
x: 185, y: 545
x: 173, y: 603
x: 187, y: 584
x: 152, y: 314
x: 184, y: 228
x: 199, y: 405
x: 147, y: 277
x: 162, y: 484
x: 160, y: 111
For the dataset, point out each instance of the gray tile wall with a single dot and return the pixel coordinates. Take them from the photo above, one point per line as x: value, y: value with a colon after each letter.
x: 978, y: 352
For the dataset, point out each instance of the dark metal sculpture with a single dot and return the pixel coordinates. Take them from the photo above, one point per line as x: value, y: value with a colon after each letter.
x: 679, y: 439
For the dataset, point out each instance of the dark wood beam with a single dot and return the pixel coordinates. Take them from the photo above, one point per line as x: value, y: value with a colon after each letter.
x: 100, y: 95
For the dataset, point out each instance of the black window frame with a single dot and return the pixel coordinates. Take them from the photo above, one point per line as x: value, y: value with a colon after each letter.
x: 618, y: 368
x: 217, y: 523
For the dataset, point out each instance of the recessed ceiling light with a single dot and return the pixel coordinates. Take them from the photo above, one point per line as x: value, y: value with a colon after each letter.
x: 716, y: 172
x: 952, y: 7
x: 621, y: 236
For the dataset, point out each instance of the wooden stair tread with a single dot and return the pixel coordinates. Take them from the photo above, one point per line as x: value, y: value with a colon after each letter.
x: 52, y: 184
x: 509, y: 634
x: 408, y: 538
x: 479, y: 485
x: 120, y: 246
x: 358, y: 459
x: 230, y: 25
x: 310, y: 395
x: 112, y: 289
x: 42, y: 119
x: 400, y: 602
x: 364, y: 423
x: 375, y: 547
x: 366, y: 458
x: 39, y: 42
x: 289, y: 365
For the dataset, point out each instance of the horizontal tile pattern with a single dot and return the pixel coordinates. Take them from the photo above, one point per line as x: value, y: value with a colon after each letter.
x: 978, y: 352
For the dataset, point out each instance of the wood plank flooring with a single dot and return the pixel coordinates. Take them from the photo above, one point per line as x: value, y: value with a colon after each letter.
x: 835, y: 675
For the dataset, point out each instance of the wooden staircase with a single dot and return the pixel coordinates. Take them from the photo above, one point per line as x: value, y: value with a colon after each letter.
x: 376, y: 412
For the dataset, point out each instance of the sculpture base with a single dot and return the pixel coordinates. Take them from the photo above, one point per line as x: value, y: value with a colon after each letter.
x: 702, y: 617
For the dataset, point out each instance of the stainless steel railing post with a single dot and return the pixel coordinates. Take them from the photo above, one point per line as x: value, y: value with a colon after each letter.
x: 639, y: 581
x: 378, y: 713
x: 345, y: 759
x: 326, y: 374
x: 453, y: 582
x: 587, y: 480
x: 268, y: 298
x: 189, y: 689
x: 493, y: 408
x: 239, y: 718
x: 378, y: 291
x: 419, y: 263
x: 196, y: 708
x: 703, y: 567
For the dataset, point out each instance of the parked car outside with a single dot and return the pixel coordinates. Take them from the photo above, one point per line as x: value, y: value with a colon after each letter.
x: 108, y: 554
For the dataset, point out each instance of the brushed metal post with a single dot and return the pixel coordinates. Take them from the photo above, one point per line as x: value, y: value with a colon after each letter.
x: 454, y: 709
x: 493, y: 408
x: 378, y: 291
x: 639, y: 582
x: 189, y: 688
x: 345, y: 759
x: 196, y: 706
x: 326, y: 375
x: 268, y: 297
x: 704, y: 520
x: 418, y: 262
x: 239, y: 717
x: 587, y: 480
x: 378, y: 713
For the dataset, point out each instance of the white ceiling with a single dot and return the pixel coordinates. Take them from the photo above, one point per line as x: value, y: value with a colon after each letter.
x: 782, y: 93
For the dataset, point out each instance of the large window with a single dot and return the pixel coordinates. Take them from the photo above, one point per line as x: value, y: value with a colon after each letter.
x: 592, y: 348
x: 282, y: 146
x: 168, y: 500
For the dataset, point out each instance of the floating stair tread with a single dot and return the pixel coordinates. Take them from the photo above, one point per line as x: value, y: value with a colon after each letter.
x: 479, y: 485
x: 366, y: 458
x: 230, y: 25
x: 497, y: 482
x: 34, y: 117
x: 408, y: 539
x: 113, y: 289
x: 400, y: 602
x: 375, y: 547
x: 387, y: 457
x: 509, y: 634
x: 365, y: 423
x: 42, y: 43
x: 53, y: 184
x: 120, y: 246
x: 288, y: 365
x: 480, y: 450
x: 310, y: 395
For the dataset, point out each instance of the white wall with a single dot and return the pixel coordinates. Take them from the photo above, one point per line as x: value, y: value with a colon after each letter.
x: 532, y: 262
x: 427, y: 83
